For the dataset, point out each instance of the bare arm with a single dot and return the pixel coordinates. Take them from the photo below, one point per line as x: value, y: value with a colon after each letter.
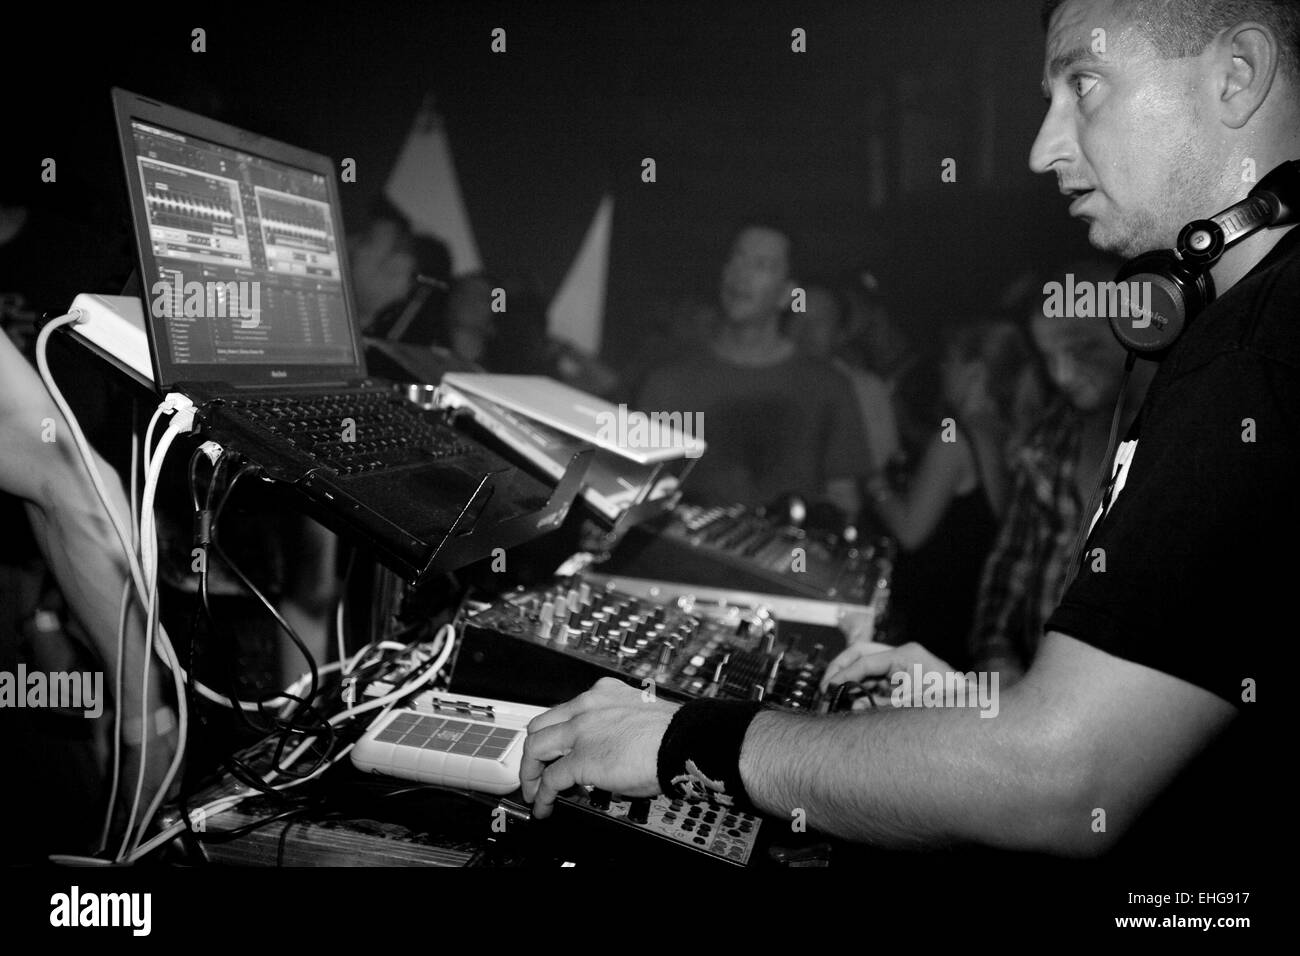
x: 40, y: 465
x: 987, y: 442
x: 1083, y: 730
x: 912, y: 517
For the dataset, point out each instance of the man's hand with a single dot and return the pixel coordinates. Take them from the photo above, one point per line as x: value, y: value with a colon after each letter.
x: 866, y: 660
x: 607, y: 737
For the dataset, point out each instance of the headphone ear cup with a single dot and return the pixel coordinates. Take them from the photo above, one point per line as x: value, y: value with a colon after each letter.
x: 1171, y: 294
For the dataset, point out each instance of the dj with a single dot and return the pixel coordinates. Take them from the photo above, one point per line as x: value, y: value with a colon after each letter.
x: 1157, y: 112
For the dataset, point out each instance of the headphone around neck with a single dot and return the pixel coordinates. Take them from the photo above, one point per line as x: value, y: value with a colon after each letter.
x: 1177, y: 281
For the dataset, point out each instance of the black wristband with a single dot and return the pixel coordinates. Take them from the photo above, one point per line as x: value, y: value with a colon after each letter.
x: 699, y: 755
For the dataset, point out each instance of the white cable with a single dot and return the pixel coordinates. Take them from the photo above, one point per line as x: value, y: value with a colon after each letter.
x: 79, y: 439
x: 447, y: 634
x: 148, y: 434
x: 221, y: 804
x: 119, y: 685
x: 71, y: 859
x: 83, y: 447
x: 159, y: 640
x: 87, y: 457
x: 143, y: 566
x: 338, y: 625
x: 347, y: 667
x: 180, y: 423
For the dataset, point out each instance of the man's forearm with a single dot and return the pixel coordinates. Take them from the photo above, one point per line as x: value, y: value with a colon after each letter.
x: 91, y: 582
x: 85, y: 555
x: 913, y: 777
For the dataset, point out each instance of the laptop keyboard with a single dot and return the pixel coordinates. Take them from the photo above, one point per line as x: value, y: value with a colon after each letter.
x: 356, y: 432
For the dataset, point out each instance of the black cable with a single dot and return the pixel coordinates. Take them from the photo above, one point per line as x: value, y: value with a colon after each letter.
x: 253, y: 589
x: 237, y: 767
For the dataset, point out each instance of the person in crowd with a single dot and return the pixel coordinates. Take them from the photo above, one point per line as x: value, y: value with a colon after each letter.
x: 822, y: 329
x: 946, y: 520
x: 777, y: 422
x: 1053, y: 475
x: 383, y: 262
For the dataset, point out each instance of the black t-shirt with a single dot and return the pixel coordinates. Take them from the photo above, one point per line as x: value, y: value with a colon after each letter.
x: 1199, y: 540
x: 789, y: 427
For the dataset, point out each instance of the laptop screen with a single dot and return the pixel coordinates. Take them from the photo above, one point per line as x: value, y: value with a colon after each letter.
x: 241, y: 252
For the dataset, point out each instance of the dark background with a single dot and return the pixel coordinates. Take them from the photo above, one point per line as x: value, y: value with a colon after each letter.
x: 845, y: 141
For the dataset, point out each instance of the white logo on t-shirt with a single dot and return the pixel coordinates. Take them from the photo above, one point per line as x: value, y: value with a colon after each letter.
x: 1123, y: 457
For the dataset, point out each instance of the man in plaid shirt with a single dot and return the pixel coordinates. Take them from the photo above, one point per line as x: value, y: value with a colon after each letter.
x: 1053, y: 477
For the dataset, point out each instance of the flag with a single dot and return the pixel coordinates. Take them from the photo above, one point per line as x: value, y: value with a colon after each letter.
x: 423, y: 185
x: 577, y: 312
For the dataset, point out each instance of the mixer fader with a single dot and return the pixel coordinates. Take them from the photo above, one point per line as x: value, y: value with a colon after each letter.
x: 545, y: 644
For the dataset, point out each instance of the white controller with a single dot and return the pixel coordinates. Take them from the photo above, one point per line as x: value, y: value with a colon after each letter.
x: 452, y: 740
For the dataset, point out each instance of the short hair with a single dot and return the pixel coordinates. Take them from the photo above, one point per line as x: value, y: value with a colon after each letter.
x: 1179, y: 28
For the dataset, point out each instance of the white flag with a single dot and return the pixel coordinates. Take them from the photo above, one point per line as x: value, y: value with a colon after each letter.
x: 577, y: 312
x: 424, y: 186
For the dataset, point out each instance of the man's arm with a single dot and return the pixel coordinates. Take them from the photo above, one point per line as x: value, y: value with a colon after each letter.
x: 1083, y: 731
x: 913, y: 517
x: 74, y: 534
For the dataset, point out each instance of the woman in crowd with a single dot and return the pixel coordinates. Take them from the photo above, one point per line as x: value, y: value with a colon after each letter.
x: 947, y: 517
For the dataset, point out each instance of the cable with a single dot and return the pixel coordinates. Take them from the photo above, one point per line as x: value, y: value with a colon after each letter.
x: 119, y: 676
x: 253, y: 589
x: 119, y: 684
x: 292, y: 723
x: 180, y: 422
x: 87, y: 457
x: 83, y: 447
x: 447, y: 633
x: 142, y: 565
x: 142, y: 570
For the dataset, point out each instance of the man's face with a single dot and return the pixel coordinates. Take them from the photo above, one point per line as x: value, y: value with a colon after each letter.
x: 756, y: 278
x: 1083, y: 359
x: 1125, y: 132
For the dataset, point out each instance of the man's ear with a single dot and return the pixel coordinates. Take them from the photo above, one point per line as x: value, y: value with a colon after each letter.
x: 1249, y: 55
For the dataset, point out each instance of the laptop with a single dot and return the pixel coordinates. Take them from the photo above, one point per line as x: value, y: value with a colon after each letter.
x: 249, y: 313
x: 639, y: 465
x: 644, y: 439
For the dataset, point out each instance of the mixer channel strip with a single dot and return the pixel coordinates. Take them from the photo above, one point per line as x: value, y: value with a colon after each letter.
x: 689, y: 650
